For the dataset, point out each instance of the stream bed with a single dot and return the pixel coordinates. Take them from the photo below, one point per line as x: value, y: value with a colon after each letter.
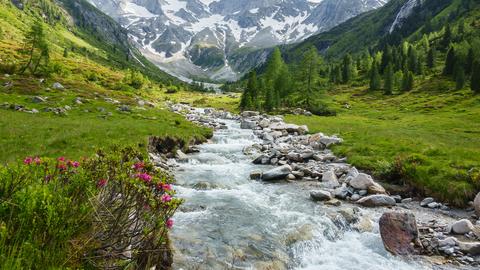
x: 231, y: 222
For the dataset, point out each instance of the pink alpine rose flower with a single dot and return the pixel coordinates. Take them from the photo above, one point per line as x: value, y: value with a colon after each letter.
x: 37, y: 160
x: 145, y: 177
x: 138, y: 166
x: 169, y: 223
x: 28, y: 160
x: 61, y: 159
x: 166, y: 198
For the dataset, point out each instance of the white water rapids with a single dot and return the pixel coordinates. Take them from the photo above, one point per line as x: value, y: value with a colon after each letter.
x: 231, y: 222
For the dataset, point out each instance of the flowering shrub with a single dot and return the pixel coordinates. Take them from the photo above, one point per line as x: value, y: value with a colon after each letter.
x: 110, y: 211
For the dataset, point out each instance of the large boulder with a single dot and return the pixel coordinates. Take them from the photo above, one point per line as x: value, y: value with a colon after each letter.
x: 462, y: 226
x: 320, y: 195
x: 471, y: 248
x: 377, y: 200
x: 278, y: 173
x: 361, y: 181
x: 476, y: 204
x: 399, y: 233
x: 291, y: 128
x: 247, y: 124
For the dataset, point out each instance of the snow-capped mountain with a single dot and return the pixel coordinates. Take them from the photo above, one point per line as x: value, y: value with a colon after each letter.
x: 221, y: 39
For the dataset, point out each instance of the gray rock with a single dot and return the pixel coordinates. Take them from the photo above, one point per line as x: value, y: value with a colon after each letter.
x: 362, y: 192
x: 471, y: 248
x: 291, y: 177
x: 342, y: 193
x: 181, y: 156
x: 58, y: 86
x: 355, y: 197
x: 249, y: 113
x: 277, y: 173
x: 303, y: 130
x: 361, y: 181
x: 376, y: 188
x: 320, y: 195
x: 426, y: 201
x: 247, y: 124
x: 294, y: 157
x: 329, y: 178
x: 264, y: 123
x: 462, y: 226
x: 124, y: 108
x: 476, y: 204
x: 34, y: 111
x: 258, y: 159
x: 256, y: 175
x: 38, y: 99
x: 333, y: 202
x: 377, y: 200
x: 434, y: 205
x: 447, y: 242
x: 407, y: 200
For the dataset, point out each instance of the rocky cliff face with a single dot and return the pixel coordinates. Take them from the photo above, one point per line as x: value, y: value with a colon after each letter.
x: 206, y: 38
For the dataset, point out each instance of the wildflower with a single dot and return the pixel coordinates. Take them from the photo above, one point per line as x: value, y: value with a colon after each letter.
x: 166, y: 198
x: 138, y: 166
x: 61, y: 159
x: 169, y: 223
x: 74, y: 164
x: 166, y: 187
x: 37, y: 160
x: 62, y: 167
x: 48, y: 178
x: 28, y: 160
x: 145, y: 177
x: 102, y: 183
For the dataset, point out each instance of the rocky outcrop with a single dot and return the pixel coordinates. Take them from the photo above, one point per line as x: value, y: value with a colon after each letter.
x: 399, y: 233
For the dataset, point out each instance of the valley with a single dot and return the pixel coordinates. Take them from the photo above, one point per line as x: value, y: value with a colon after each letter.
x: 220, y: 134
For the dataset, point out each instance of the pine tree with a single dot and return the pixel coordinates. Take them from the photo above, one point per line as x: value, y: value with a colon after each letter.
x: 36, y: 47
x: 283, y: 83
x: 459, y: 76
x: 386, y: 59
x: 375, y: 79
x: 447, y: 36
x: 274, y: 65
x: 413, y: 60
x: 388, y: 80
x: 449, y: 62
x: 475, y: 78
x: 469, y: 60
x: 407, y: 82
x: 308, y: 74
x: 249, y: 98
x: 347, y: 69
x: 270, y: 99
x: 432, y: 54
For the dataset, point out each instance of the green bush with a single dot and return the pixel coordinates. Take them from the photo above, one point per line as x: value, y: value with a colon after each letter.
x: 62, y: 213
x: 321, y: 109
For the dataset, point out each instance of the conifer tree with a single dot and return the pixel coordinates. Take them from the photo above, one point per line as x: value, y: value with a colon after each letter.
x: 413, y: 60
x: 469, y: 60
x: 407, y: 82
x: 308, y: 74
x: 375, y: 79
x: 449, y: 62
x: 431, y: 57
x: 475, y: 78
x: 447, y: 36
x: 35, y: 47
x: 459, y: 76
x: 388, y: 80
x: 347, y: 69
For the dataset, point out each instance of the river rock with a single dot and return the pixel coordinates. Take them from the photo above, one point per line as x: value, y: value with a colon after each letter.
x: 361, y: 181
x: 377, y: 200
x: 399, y: 233
x: 38, y: 99
x: 296, y: 157
x: 264, y: 123
x: 355, y: 197
x: 330, y: 180
x: 291, y: 128
x: 342, y: 192
x: 278, y: 173
x: 426, y: 201
x: 320, y: 195
x: 181, y: 156
x: 256, y: 175
x: 249, y: 113
x: 471, y: 248
x: 376, y: 188
x: 476, y: 204
x: 247, y: 124
x: 462, y: 226
x: 333, y: 202
x: 303, y: 130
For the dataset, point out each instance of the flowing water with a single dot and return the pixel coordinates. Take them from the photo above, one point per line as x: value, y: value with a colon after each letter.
x: 231, y: 222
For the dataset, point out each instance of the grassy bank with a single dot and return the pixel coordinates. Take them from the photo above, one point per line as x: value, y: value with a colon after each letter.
x: 428, y: 138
